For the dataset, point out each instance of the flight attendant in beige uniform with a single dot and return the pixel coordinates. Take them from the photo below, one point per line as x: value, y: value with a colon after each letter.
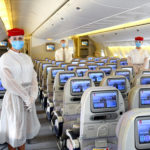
x: 138, y: 58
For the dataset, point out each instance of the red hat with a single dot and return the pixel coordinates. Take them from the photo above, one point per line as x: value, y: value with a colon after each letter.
x: 15, y: 32
x: 139, y: 38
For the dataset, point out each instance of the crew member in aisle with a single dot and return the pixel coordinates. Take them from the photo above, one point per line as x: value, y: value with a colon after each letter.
x: 18, y: 120
x: 63, y: 54
x: 138, y: 58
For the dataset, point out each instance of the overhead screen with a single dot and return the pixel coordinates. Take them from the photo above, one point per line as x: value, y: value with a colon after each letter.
x: 50, y: 47
x: 105, y: 100
x: 142, y: 133
x: 79, y: 86
x: 3, y: 43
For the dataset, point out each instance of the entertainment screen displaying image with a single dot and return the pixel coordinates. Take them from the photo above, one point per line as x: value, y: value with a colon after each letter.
x: 75, y: 62
x: 146, y: 72
x: 123, y: 63
x: 71, y: 68
x: 44, y: 65
x: 63, y: 65
x: 97, y: 59
x: 82, y: 65
x: 48, y: 69
x: 90, y: 58
x: 53, y: 61
x: 58, y: 63
x: 113, y: 61
x: 79, y: 86
x: 1, y: 87
x: 106, y: 70
x: 84, y: 43
x: 119, y: 83
x: 3, y: 43
x: 127, y: 68
x: 81, y: 72
x: 64, y: 77
x: 145, y: 97
x: 82, y: 60
x: 50, y: 47
x: 145, y: 80
x: 113, y: 66
x: 90, y: 62
x: 104, y: 60
x: 100, y: 63
x: 124, y: 73
x: 55, y: 71
x: 104, y: 99
x: 143, y: 131
x: 92, y: 67
x: 96, y: 76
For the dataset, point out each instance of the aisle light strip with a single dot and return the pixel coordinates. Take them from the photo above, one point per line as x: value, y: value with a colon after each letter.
x: 122, y: 26
x: 4, y: 15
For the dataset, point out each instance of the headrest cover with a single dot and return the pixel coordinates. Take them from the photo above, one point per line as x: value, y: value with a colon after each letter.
x: 15, y: 32
x: 139, y: 38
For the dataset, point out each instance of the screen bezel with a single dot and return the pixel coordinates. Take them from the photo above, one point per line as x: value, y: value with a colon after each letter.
x: 136, y: 135
x: 142, y: 105
x: 122, y: 75
x: 55, y: 69
x: 141, y: 80
x: 80, y: 93
x: 102, y: 110
x: 95, y: 72
x: 62, y: 84
x: 118, y: 79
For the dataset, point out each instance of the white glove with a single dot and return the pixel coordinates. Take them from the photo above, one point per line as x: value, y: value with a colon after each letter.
x: 29, y: 104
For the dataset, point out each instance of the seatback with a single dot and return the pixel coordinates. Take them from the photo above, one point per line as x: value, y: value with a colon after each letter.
x: 101, y: 108
x: 95, y: 75
x: 58, y: 87
x: 44, y: 76
x: 123, y: 72
x: 50, y: 80
x: 105, y: 69
x: 133, y: 130
x: 92, y: 66
x: 122, y: 62
x: 80, y: 71
x: 73, y: 91
x: 42, y: 66
x: 112, y: 65
x: 37, y: 68
x: 70, y: 67
x: 121, y: 83
x: 100, y: 63
x: 141, y: 80
x: 128, y: 68
x: 139, y: 97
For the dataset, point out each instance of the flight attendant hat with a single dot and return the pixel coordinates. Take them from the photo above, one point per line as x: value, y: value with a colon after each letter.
x: 139, y: 38
x: 15, y: 32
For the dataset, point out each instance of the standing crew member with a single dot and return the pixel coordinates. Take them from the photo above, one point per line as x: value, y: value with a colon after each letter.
x: 138, y: 58
x: 63, y: 54
x: 18, y: 120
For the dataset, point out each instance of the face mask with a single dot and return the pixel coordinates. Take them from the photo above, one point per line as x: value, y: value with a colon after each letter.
x: 63, y: 45
x: 18, y: 45
x: 138, y: 44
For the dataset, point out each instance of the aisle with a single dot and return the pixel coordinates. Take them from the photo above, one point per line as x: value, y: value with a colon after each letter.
x: 46, y: 140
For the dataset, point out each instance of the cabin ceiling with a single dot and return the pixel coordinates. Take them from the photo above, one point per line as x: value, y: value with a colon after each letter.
x: 60, y: 18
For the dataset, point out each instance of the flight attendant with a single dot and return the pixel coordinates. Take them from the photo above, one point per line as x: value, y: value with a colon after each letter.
x: 18, y: 120
x: 63, y: 54
x: 138, y: 58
